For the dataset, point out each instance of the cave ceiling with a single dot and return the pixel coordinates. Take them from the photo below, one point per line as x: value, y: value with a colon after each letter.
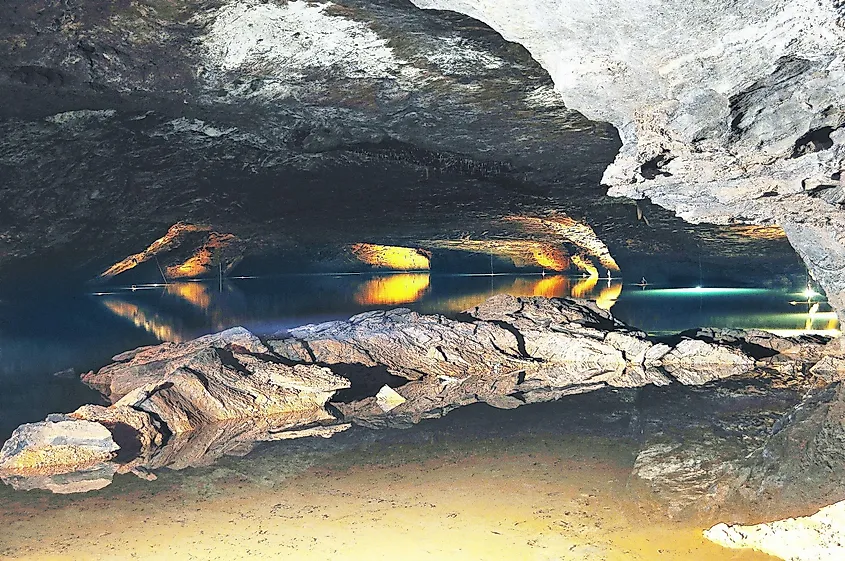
x: 294, y: 126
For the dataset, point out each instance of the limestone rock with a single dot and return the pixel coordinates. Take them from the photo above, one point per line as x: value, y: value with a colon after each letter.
x: 820, y: 537
x: 212, y: 385
x: 131, y: 427
x: 728, y: 112
x: 387, y: 399
x: 801, y: 462
x: 695, y: 362
x: 58, y: 445
x: 145, y: 365
x: 507, y: 351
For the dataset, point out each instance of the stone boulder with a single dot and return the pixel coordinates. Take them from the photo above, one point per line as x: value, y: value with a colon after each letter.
x: 60, y: 444
x: 214, y: 385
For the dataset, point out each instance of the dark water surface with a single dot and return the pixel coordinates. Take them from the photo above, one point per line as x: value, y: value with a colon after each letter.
x: 549, y: 481
x: 46, y: 343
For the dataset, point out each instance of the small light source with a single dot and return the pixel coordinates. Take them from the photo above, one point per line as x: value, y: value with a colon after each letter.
x: 810, y: 293
x: 698, y: 287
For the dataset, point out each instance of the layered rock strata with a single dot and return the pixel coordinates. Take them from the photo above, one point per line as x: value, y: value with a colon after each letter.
x: 182, y: 404
x: 728, y: 112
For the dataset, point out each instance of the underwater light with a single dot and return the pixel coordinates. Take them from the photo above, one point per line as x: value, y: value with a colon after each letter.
x: 809, y: 293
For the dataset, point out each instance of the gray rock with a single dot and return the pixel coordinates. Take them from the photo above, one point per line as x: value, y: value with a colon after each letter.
x: 147, y: 364
x: 728, y: 112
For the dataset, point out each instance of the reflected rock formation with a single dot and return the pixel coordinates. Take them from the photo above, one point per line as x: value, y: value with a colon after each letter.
x: 522, y: 253
x: 186, y: 404
x: 393, y: 289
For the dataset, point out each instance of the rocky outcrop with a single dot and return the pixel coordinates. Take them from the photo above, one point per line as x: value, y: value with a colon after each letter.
x: 182, y: 404
x: 145, y: 365
x: 727, y: 113
x: 186, y: 251
x: 58, y: 445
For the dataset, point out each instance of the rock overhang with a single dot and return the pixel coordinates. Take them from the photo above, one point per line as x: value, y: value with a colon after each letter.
x: 328, y: 88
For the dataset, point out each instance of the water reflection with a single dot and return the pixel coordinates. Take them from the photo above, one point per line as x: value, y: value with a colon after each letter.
x: 183, y: 310
x: 393, y: 289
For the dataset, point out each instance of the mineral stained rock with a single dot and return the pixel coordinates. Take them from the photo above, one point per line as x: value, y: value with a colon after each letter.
x: 728, y: 111
x: 58, y: 445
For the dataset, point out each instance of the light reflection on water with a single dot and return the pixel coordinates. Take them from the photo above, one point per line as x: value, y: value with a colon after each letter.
x: 42, y: 337
x: 270, y: 304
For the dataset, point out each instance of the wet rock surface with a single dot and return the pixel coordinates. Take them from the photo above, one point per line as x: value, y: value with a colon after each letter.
x: 58, y: 445
x: 188, y: 404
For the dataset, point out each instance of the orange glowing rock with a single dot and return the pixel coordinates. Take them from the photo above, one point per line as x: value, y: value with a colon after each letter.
x: 758, y: 232
x: 204, y: 261
x: 392, y: 257
x: 585, y: 264
x: 393, y: 289
x: 523, y: 253
x: 580, y: 235
x: 196, y: 249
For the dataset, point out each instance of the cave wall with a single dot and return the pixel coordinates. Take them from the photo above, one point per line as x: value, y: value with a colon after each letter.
x: 729, y: 111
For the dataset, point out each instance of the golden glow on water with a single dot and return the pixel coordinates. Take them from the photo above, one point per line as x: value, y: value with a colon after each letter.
x: 608, y: 295
x: 196, y: 293
x: 393, y: 289
x: 563, y: 499
x: 151, y: 322
x: 552, y: 286
x: 392, y: 257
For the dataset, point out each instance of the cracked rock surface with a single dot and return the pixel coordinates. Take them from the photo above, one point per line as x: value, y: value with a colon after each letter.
x: 186, y: 404
x: 728, y: 111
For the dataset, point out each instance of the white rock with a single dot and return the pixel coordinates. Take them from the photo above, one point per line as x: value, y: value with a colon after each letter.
x: 820, y: 537
x: 388, y: 399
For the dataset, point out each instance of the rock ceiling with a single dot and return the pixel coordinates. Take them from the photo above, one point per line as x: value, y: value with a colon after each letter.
x: 305, y: 124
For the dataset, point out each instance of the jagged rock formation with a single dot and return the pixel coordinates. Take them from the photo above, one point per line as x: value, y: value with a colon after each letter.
x: 728, y: 112
x: 186, y: 251
x: 181, y: 404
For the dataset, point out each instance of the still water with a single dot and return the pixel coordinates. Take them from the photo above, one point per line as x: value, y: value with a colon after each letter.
x: 479, y: 484
x: 45, y: 344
